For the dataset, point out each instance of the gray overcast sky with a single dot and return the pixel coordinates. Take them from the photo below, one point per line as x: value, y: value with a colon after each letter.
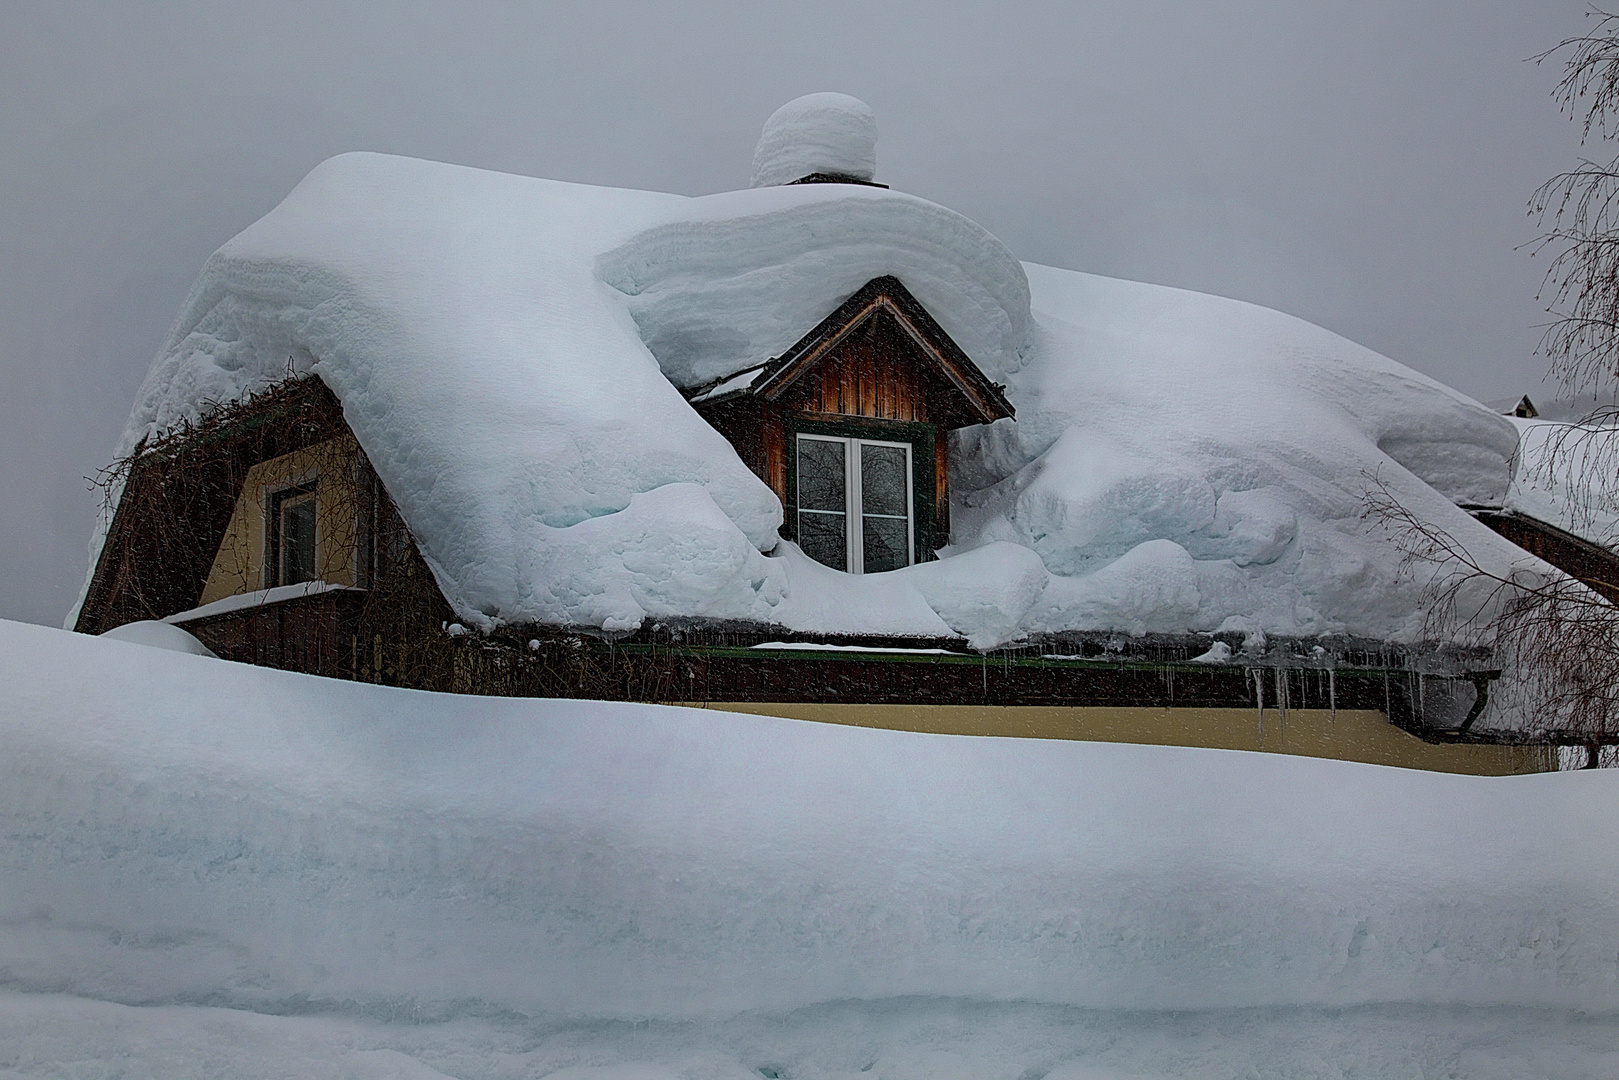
x: 1363, y: 165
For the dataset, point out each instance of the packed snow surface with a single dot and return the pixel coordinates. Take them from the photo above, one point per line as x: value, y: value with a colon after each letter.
x: 817, y: 133
x: 508, y: 352
x: 206, y: 862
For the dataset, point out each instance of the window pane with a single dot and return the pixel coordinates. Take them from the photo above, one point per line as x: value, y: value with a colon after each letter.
x: 824, y: 538
x: 882, y: 479
x: 820, y: 474
x: 298, y: 540
x: 886, y: 545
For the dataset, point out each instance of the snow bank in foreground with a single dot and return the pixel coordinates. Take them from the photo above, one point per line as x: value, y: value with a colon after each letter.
x: 912, y: 1039
x: 180, y: 829
x: 507, y: 351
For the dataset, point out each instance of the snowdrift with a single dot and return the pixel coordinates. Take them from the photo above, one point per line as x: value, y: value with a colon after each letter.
x: 179, y: 829
x: 508, y: 352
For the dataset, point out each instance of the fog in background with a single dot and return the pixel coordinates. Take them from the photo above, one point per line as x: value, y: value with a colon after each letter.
x: 1362, y: 165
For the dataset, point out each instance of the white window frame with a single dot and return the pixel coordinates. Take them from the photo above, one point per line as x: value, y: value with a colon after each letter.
x: 853, y: 500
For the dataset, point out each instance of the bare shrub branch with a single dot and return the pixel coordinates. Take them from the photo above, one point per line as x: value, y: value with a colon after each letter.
x: 1557, y: 639
x: 1578, y: 211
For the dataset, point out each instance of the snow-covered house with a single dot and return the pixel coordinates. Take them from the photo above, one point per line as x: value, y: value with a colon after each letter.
x: 817, y: 448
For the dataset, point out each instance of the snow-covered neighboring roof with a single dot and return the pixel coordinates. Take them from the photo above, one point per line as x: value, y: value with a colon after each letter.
x: 1564, y: 475
x: 510, y: 353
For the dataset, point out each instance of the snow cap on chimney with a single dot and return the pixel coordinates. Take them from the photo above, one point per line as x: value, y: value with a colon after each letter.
x: 828, y: 137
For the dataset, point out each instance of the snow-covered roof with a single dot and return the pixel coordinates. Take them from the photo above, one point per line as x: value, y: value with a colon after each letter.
x: 510, y: 353
x: 1564, y: 474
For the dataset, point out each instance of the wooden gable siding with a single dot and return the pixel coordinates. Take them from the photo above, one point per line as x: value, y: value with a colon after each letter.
x: 960, y: 393
x: 876, y: 372
x: 873, y: 372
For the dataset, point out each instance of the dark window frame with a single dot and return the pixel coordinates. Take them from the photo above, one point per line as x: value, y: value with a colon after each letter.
x: 274, y: 505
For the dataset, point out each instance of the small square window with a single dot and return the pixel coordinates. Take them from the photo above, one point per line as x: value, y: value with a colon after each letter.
x: 290, y: 558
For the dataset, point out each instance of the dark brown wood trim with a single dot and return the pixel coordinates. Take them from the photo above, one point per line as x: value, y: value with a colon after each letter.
x: 986, y: 399
x: 835, y: 178
x: 1592, y: 564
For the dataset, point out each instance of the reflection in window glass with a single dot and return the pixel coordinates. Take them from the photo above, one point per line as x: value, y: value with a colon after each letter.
x: 821, y: 475
x: 885, y: 544
x: 824, y: 538
x: 854, y: 503
x: 882, y: 480
x: 294, y: 536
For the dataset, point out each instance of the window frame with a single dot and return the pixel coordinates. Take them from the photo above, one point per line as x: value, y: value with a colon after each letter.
x: 275, y: 500
x: 920, y: 440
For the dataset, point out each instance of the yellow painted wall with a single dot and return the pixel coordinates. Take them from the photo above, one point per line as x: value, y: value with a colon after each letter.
x: 1349, y: 735
x: 239, y: 565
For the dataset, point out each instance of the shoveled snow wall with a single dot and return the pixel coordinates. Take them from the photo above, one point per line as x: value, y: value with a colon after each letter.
x: 508, y: 350
x: 182, y: 829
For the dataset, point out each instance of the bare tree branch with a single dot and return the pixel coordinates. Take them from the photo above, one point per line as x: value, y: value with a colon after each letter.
x: 1557, y: 637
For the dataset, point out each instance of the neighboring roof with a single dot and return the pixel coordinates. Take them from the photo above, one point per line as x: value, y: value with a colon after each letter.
x: 985, y: 401
x: 1567, y: 476
x: 510, y: 353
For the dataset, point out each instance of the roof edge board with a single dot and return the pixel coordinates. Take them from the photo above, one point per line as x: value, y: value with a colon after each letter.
x: 792, y: 367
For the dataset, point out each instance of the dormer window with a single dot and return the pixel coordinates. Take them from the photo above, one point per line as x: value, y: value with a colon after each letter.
x: 850, y: 427
x: 855, y: 506
x: 291, y: 546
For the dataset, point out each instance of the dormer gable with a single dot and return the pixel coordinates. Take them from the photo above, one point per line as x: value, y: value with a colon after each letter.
x: 850, y: 428
x: 865, y: 357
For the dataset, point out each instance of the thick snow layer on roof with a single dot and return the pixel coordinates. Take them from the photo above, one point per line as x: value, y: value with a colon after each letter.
x: 818, y: 133
x: 738, y: 278
x: 181, y: 829
x: 508, y: 352
x: 1181, y: 461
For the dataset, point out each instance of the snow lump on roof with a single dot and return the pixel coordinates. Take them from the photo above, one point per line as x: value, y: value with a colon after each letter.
x: 831, y: 134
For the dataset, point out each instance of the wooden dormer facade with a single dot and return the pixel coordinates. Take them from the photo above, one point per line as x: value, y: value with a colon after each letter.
x: 872, y: 392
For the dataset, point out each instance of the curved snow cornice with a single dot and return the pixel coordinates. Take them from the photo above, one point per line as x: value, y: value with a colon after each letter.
x: 743, y: 275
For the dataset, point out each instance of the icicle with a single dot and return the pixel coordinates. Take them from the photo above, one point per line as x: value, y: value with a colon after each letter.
x: 1259, y: 695
x: 1332, y: 695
